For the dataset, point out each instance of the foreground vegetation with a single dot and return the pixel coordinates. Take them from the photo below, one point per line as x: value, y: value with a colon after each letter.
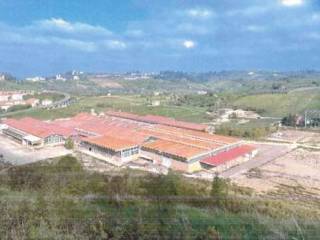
x: 60, y: 200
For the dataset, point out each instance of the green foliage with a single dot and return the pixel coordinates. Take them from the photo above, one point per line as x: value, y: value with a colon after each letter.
x: 219, y: 191
x: 68, y: 164
x: 18, y: 107
x: 69, y: 144
x: 45, y: 95
x: 253, y: 133
x: 60, y: 200
x: 280, y: 105
x: 290, y: 120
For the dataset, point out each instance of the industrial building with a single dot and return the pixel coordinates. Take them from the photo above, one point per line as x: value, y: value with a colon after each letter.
x: 34, y: 133
x: 119, y: 138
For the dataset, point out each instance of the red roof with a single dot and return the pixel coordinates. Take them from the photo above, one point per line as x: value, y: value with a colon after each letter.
x: 229, y: 155
x: 173, y: 148
x: 115, y: 144
x: 175, y: 123
x: 37, y: 128
x: 154, y: 119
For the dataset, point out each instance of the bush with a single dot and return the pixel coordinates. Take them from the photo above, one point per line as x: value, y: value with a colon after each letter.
x: 69, y: 144
x: 68, y: 164
x: 18, y: 108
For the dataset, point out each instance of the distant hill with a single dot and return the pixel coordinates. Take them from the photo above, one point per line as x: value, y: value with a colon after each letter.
x: 244, y: 82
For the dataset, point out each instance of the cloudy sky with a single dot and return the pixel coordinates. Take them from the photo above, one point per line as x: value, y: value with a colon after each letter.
x: 40, y: 37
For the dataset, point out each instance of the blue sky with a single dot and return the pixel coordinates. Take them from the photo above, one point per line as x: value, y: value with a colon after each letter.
x: 41, y: 37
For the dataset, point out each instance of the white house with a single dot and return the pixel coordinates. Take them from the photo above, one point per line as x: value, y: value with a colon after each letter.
x: 46, y: 102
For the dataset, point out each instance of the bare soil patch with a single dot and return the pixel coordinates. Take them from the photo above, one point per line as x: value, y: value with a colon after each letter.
x: 298, y: 170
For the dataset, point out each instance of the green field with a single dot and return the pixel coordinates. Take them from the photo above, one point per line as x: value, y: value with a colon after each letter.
x: 279, y: 105
x: 46, y: 95
x: 135, y: 104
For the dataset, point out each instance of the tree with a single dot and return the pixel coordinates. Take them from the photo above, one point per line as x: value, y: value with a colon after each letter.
x: 218, y: 191
x: 290, y: 120
x: 69, y: 144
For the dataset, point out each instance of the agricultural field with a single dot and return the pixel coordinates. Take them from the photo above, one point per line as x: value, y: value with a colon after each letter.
x: 280, y: 105
x: 132, y: 103
x: 46, y: 95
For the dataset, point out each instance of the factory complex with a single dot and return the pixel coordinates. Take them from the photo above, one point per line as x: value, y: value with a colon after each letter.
x: 120, y: 138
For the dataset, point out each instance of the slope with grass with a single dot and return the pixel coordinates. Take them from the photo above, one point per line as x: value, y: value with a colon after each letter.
x: 58, y: 199
x: 279, y: 105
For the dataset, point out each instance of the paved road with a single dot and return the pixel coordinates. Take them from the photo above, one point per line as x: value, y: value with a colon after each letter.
x: 19, y: 155
x: 66, y: 99
x: 267, y: 153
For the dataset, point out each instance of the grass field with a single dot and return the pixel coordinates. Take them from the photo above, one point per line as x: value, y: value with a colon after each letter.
x: 279, y: 105
x: 135, y: 104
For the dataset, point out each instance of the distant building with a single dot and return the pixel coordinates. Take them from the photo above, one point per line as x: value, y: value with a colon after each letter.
x: 59, y: 77
x: 202, y: 92
x: 17, y: 96
x: 155, y: 103
x: 35, y: 79
x: 33, y: 102
x: 5, y: 107
x: 4, y: 97
x: 46, y: 102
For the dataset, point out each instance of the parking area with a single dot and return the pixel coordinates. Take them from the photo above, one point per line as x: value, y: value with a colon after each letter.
x: 18, y: 155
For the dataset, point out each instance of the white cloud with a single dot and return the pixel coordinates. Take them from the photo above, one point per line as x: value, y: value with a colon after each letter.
x: 292, y: 3
x: 199, y: 13
x: 189, y: 44
x: 193, y: 28
x: 255, y: 28
x: 40, y: 40
x: 59, y: 33
x: 75, y: 44
x: 250, y: 11
x: 115, y: 44
x: 59, y: 24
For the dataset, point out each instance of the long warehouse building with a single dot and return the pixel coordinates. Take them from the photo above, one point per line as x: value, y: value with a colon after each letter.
x: 119, y: 138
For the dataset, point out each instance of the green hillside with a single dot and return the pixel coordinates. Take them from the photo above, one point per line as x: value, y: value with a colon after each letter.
x: 60, y: 200
x: 279, y: 105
